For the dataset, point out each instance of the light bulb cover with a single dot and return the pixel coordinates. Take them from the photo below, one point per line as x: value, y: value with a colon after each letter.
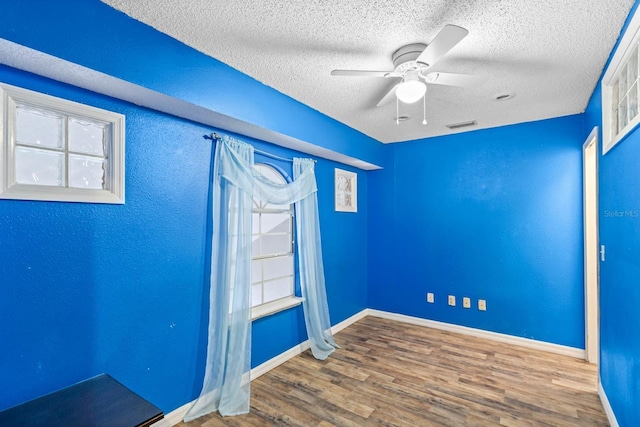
x: 411, y: 91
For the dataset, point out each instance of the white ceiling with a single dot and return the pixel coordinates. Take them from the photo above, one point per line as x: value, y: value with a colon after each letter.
x: 548, y: 53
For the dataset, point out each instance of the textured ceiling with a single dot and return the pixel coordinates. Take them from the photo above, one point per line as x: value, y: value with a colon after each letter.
x: 547, y: 53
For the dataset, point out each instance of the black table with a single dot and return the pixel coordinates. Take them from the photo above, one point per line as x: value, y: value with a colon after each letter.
x: 97, y: 402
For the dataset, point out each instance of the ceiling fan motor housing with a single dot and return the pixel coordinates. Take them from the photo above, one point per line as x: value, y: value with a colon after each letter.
x: 405, y: 57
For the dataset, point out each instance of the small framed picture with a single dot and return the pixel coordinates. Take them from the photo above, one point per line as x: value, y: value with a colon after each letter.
x: 346, y: 191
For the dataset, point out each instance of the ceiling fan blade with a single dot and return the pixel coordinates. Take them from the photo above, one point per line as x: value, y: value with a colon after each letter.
x: 365, y: 73
x: 453, y: 79
x: 388, y: 97
x: 443, y: 42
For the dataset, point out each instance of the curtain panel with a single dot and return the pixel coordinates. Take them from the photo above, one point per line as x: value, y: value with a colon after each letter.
x: 226, y: 385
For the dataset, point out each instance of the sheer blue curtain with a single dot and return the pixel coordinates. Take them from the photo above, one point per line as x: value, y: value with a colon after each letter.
x: 314, y: 294
x: 226, y: 379
x: 226, y: 385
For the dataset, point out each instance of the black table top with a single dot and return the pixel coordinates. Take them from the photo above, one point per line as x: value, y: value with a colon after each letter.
x: 100, y: 401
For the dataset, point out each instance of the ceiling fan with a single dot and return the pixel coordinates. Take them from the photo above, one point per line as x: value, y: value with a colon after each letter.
x: 412, y: 63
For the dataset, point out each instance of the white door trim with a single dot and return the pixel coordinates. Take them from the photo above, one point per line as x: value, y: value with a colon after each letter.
x: 591, y: 248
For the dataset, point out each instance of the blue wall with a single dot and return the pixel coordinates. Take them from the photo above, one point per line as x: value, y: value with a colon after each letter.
x: 619, y: 190
x: 88, y: 288
x: 121, y: 289
x: 493, y: 214
x: 619, y: 290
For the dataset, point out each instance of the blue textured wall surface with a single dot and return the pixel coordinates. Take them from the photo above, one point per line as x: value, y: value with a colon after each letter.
x: 493, y: 214
x: 94, y: 35
x: 88, y: 288
x: 619, y: 228
x: 619, y: 213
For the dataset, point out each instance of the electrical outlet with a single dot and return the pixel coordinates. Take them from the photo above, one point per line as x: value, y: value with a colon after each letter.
x: 452, y: 300
x: 466, y: 302
x: 430, y: 297
x: 482, y: 305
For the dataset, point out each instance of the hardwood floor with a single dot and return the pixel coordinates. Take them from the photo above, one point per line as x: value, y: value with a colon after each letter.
x: 389, y: 373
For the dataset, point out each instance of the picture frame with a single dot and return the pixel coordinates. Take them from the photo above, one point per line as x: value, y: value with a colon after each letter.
x: 346, y: 191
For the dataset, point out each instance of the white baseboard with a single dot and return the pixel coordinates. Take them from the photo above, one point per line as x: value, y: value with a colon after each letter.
x: 350, y: 321
x: 495, y: 336
x: 279, y: 360
x: 606, y: 405
x: 176, y: 416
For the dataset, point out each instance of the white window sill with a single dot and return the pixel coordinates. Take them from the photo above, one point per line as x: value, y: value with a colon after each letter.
x: 274, y: 307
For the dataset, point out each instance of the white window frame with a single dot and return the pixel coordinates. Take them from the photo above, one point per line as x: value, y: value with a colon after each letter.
x: 272, y: 307
x: 10, y: 97
x: 628, y: 43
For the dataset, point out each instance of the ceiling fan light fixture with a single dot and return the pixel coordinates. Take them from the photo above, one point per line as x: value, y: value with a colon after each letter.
x: 411, y: 91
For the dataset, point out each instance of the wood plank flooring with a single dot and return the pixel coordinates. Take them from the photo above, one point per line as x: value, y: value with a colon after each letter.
x: 388, y: 373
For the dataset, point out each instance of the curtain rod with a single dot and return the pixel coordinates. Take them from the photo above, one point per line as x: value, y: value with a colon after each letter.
x: 214, y: 137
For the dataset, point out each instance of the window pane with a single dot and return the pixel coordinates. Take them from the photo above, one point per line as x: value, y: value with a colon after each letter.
x: 256, y: 295
x: 632, y: 69
x: 277, y: 267
x: 622, y: 114
x: 255, y: 246
x: 614, y: 110
x: 275, y: 244
x: 270, y: 173
x: 275, y: 223
x: 255, y: 223
x: 622, y: 84
x: 39, y: 128
x: 39, y: 167
x: 633, y: 102
x: 344, y: 198
x: 86, y: 137
x: 86, y: 172
x: 256, y: 271
x: 277, y: 289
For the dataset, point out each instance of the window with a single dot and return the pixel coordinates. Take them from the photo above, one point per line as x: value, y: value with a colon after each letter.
x: 346, y: 191
x: 621, y: 89
x: 272, y: 264
x: 54, y: 149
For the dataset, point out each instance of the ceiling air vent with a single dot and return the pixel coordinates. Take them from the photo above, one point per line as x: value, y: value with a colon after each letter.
x: 462, y: 124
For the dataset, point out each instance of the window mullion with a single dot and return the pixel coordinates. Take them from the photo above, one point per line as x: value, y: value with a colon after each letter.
x: 261, y: 263
x: 37, y: 147
x: 275, y: 255
x: 291, y: 229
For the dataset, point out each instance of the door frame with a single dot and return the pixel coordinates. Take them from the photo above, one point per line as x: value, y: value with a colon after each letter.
x: 591, y: 246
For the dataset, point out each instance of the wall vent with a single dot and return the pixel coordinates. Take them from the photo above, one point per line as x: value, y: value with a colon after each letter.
x: 462, y: 124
